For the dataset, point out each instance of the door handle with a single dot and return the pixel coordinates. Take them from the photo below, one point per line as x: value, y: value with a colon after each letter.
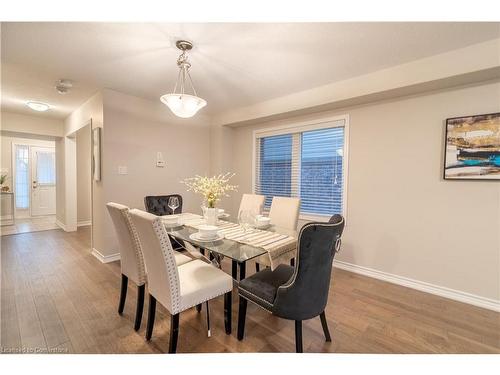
x: 35, y: 185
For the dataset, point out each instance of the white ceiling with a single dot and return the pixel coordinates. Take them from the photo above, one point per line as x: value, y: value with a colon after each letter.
x: 233, y: 64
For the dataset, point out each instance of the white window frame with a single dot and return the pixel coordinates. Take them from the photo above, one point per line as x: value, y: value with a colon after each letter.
x: 303, y: 126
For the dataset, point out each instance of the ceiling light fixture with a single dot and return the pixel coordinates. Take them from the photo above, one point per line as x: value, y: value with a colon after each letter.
x: 181, y: 103
x: 38, y: 106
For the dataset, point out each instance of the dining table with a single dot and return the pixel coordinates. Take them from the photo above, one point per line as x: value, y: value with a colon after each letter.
x: 238, y: 252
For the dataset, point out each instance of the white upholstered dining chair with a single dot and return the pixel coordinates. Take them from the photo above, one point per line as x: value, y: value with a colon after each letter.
x: 284, y: 215
x: 131, y: 258
x: 177, y: 288
x: 252, y: 202
x: 284, y: 212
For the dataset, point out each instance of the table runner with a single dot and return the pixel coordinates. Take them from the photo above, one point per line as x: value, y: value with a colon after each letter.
x: 277, y: 245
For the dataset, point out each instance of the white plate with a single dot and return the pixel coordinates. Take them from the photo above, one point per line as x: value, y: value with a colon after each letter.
x: 196, y: 237
x: 171, y: 225
x: 224, y: 215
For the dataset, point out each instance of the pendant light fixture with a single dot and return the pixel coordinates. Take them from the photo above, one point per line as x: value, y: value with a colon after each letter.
x: 180, y: 101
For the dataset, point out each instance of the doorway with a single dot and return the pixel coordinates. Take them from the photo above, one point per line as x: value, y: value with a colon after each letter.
x: 30, y: 167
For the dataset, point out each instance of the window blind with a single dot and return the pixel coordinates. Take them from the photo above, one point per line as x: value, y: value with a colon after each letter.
x: 274, y: 163
x: 303, y: 163
x: 321, y: 183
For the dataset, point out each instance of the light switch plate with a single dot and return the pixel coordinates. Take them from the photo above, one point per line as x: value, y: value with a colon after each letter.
x: 122, y: 169
x: 160, y: 163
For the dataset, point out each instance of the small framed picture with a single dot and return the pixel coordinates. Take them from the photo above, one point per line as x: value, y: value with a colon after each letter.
x: 472, y: 150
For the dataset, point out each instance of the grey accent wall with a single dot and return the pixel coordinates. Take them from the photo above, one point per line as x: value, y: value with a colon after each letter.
x: 402, y: 217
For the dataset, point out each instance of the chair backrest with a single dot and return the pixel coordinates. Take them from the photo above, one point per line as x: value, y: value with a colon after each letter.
x: 252, y: 202
x: 131, y: 258
x: 305, y: 295
x: 284, y: 212
x: 158, y: 204
x: 163, y: 276
x: 337, y: 218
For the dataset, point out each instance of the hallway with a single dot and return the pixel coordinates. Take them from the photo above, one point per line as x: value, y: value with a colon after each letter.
x: 33, y: 224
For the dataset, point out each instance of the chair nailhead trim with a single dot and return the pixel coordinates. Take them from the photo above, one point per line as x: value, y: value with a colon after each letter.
x: 141, y: 269
x: 259, y: 298
x: 173, y: 273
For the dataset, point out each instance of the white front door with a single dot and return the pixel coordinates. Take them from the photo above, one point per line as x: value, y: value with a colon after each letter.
x: 43, y: 181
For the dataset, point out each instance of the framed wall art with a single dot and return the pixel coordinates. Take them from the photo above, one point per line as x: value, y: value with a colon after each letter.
x: 472, y: 150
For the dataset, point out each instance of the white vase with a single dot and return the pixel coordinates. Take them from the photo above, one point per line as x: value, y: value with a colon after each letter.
x: 211, y: 216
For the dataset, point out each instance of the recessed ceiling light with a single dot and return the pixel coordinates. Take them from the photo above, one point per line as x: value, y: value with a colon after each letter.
x: 38, y: 106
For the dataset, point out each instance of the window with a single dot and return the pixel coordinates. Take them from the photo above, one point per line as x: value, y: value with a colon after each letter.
x: 275, y: 172
x: 46, y: 167
x: 22, y: 185
x: 306, y: 162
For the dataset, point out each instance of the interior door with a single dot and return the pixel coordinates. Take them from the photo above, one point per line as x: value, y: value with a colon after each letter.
x: 43, y: 184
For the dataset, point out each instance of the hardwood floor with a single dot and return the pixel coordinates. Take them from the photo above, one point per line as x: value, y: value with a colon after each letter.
x: 56, y: 297
x: 32, y: 224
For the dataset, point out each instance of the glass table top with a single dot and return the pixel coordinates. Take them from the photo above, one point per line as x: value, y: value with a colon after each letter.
x: 228, y: 248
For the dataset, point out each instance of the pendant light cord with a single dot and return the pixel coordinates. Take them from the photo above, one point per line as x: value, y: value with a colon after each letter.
x: 183, y: 76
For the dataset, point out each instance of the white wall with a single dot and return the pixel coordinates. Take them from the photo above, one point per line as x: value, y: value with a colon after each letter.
x: 60, y: 182
x: 38, y: 125
x: 90, y: 111
x: 403, y: 218
x: 135, y: 130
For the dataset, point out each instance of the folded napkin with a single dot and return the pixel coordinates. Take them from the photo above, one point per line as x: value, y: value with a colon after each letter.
x: 277, y: 245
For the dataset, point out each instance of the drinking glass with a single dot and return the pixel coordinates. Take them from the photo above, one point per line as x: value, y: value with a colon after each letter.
x: 173, y: 203
x: 243, y: 219
x: 252, y: 218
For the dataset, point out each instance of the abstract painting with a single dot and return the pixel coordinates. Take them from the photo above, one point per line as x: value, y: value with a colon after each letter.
x: 473, y: 147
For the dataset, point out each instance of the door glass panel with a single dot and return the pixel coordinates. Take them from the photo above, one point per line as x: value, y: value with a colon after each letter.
x: 22, y: 186
x: 46, y: 168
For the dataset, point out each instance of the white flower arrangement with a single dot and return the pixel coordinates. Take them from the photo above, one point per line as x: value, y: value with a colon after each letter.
x: 212, y: 188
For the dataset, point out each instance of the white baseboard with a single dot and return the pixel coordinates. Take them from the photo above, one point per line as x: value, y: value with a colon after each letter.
x: 84, y: 223
x: 105, y: 258
x: 61, y: 225
x: 441, y: 291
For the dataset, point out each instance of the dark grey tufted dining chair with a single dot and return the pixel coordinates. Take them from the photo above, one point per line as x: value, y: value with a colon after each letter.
x: 301, y: 292
x: 158, y: 204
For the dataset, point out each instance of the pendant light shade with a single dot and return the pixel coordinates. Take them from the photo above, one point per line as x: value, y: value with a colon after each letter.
x: 183, y: 105
x: 180, y: 102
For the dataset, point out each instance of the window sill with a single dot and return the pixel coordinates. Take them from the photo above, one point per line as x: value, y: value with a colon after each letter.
x: 307, y: 217
x: 313, y: 217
